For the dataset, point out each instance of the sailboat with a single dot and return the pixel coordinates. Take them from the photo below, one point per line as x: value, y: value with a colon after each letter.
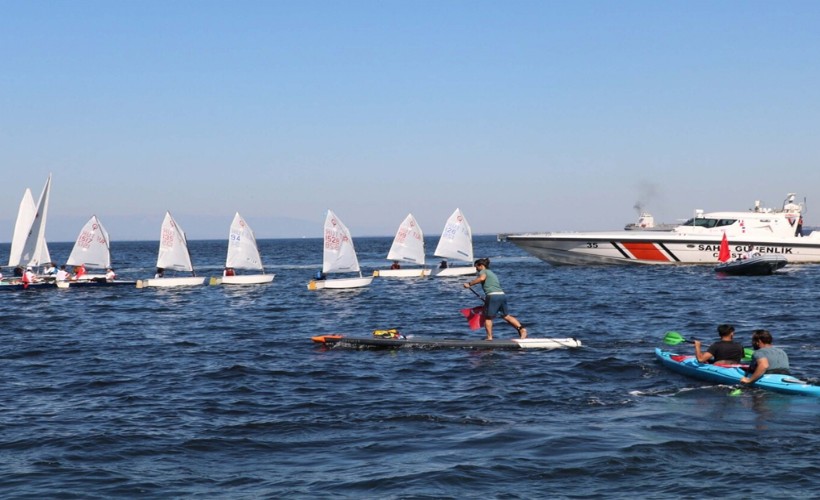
x: 92, y: 249
x: 408, y: 247
x: 243, y: 253
x: 456, y: 243
x: 173, y: 255
x: 28, y: 246
x: 339, y: 257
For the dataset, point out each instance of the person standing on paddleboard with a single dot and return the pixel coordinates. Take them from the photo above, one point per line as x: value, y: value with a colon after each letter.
x: 495, y: 302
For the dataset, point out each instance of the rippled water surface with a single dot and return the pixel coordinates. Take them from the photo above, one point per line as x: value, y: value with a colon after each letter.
x: 219, y: 392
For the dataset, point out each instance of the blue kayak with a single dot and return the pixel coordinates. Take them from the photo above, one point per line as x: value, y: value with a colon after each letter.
x: 731, y: 375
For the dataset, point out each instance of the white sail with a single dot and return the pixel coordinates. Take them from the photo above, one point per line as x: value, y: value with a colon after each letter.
x: 339, y: 255
x: 92, y: 246
x: 408, y: 245
x: 35, y: 250
x: 456, y: 239
x: 25, y: 216
x: 242, y: 250
x: 173, y: 247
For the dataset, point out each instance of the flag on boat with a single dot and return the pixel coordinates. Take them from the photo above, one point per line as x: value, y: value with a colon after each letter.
x: 475, y: 316
x: 724, y: 254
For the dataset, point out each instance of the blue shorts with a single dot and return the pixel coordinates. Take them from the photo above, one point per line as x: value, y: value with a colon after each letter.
x: 496, y: 305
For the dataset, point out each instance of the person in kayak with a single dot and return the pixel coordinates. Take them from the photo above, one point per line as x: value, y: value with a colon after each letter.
x: 723, y: 352
x: 766, y: 359
x: 495, y: 302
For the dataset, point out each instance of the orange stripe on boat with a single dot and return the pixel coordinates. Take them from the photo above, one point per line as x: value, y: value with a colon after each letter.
x: 321, y: 339
x: 645, y: 251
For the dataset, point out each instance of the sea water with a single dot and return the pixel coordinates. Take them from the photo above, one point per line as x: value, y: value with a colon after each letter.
x: 218, y: 392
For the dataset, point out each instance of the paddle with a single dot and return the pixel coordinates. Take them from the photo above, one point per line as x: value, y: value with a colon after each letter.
x: 675, y: 338
x: 482, y: 298
x: 474, y: 315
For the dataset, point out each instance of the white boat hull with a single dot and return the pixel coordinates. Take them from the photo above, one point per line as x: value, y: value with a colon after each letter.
x: 658, y: 248
x: 401, y: 273
x: 243, y: 279
x: 453, y: 271
x: 340, y: 283
x: 171, y: 282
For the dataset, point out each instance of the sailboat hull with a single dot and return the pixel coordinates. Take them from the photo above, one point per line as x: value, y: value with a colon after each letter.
x: 453, y: 271
x: 171, y: 282
x: 340, y: 283
x: 6, y: 286
x: 245, y: 279
x: 95, y: 283
x: 401, y: 273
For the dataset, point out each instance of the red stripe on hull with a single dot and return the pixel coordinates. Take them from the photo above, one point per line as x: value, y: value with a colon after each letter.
x: 646, y: 251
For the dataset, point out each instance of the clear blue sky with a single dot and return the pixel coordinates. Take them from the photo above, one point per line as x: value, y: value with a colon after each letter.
x: 528, y: 115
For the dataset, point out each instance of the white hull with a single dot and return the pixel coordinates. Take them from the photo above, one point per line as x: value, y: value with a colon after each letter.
x: 547, y: 343
x: 340, y: 283
x: 401, y: 273
x: 171, y: 282
x: 453, y: 271
x: 640, y: 247
x: 89, y: 277
x: 243, y: 279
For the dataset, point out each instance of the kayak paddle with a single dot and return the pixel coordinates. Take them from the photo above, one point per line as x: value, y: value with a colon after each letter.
x: 675, y: 338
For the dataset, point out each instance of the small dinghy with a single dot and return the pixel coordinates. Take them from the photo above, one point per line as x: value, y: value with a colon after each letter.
x: 173, y: 255
x: 408, y: 247
x: 456, y: 243
x: 243, y: 253
x: 339, y: 256
x: 757, y: 265
x: 751, y: 264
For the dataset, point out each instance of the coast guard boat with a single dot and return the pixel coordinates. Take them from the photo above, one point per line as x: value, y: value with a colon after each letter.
x: 696, y: 241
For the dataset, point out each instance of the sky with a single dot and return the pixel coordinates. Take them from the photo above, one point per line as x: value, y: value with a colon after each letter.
x: 528, y: 115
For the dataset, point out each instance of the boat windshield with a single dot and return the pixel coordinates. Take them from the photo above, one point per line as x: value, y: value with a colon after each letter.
x: 707, y: 222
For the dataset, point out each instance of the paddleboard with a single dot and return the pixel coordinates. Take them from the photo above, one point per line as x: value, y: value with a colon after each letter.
x: 434, y: 343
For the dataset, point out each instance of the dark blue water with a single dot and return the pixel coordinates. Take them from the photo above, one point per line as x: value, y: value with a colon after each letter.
x: 219, y: 392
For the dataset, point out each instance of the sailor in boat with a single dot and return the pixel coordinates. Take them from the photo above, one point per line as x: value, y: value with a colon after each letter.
x: 748, y: 255
x: 160, y: 273
x: 395, y: 265
x: 62, y: 274
x: 495, y: 302
x: 443, y: 264
x: 229, y: 271
x: 319, y: 275
x: 28, y: 276
x: 51, y: 269
x: 110, y: 275
x: 79, y: 271
x: 18, y: 271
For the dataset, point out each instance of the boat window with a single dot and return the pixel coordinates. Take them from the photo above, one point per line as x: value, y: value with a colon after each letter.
x: 701, y: 222
x: 726, y: 222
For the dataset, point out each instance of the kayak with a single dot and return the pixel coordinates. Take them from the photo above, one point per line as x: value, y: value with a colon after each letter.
x: 434, y: 343
x: 731, y: 374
